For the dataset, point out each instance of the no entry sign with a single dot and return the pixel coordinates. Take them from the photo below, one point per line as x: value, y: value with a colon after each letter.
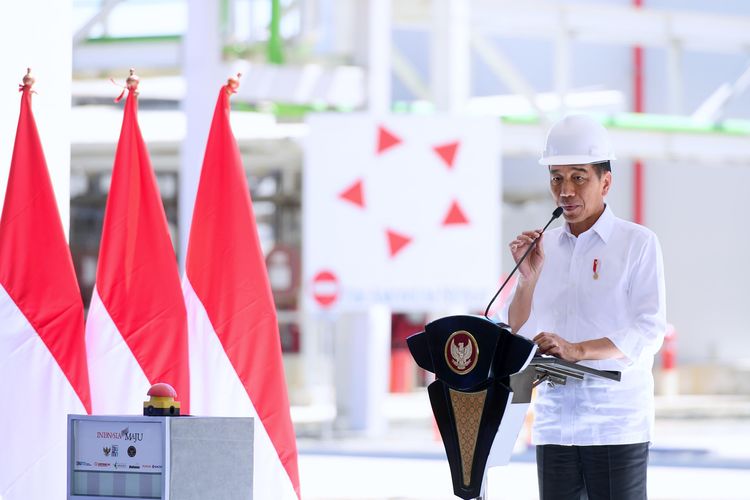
x: 325, y: 288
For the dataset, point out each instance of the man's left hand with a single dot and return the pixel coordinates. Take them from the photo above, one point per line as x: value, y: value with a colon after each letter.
x: 554, y: 345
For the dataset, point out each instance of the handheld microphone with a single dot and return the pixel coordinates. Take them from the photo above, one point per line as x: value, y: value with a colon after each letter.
x: 557, y: 213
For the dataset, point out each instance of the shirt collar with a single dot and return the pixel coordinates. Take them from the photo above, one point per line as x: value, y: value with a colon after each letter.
x: 603, y: 225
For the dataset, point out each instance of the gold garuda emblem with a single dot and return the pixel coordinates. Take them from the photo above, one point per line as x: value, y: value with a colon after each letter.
x: 461, y: 352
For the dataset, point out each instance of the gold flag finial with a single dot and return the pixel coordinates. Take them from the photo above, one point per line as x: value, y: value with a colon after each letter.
x: 132, y: 81
x: 28, y: 79
x: 233, y: 83
x: 131, y: 84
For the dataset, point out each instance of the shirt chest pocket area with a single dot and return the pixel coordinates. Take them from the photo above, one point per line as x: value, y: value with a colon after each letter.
x: 603, y: 285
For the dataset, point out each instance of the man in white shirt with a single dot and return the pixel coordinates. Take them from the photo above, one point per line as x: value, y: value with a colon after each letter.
x: 591, y: 292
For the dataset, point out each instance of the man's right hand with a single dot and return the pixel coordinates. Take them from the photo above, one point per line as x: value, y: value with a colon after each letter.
x: 532, y: 265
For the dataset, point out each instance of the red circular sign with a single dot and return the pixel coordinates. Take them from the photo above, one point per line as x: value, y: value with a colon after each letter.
x: 461, y: 352
x: 325, y: 288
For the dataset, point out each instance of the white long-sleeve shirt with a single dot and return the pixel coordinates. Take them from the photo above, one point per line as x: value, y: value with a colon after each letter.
x: 623, y: 300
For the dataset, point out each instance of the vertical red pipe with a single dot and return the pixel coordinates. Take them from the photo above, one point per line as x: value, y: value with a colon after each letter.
x: 638, y: 174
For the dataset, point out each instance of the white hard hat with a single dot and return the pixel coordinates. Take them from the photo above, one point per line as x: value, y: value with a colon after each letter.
x: 576, y: 140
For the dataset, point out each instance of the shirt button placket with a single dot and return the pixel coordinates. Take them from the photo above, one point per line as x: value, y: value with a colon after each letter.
x: 566, y: 422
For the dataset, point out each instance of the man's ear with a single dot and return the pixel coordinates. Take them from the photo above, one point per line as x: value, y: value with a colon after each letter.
x: 606, y: 183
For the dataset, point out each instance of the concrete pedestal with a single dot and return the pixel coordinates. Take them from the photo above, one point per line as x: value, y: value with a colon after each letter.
x: 169, y: 458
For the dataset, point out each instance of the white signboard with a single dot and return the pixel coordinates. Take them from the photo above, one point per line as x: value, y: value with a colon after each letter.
x: 402, y: 211
x: 102, y: 445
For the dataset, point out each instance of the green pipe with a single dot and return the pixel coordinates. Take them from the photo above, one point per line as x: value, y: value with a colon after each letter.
x: 224, y: 20
x: 655, y: 123
x: 275, y: 45
x: 620, y: 121
x: 133, y: 39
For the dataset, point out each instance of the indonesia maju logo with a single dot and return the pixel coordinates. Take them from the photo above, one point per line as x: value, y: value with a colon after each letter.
x: 123, y: 434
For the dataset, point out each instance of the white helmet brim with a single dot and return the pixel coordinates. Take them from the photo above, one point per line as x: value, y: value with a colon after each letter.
x: 574, y: 159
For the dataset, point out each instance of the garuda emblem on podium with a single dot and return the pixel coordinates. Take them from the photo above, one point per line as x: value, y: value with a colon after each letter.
x: 461, y: 352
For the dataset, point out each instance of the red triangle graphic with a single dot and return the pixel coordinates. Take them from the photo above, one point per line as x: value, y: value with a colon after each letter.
x: 396, y: 241
x: 455, y: 215
x: 447, y: 152
x: 354, y: 194
x: 386, y: 139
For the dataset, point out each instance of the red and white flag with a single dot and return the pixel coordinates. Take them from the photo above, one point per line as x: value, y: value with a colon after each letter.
x: 136, y: 331
x: 235, y: 350
x: 43, y: 374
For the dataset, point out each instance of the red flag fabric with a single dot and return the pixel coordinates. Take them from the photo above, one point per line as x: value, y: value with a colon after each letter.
x: 43, y: 372
x: 136, y: 330
x: 235, y: 349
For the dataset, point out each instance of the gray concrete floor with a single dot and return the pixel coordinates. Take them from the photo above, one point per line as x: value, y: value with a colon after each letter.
x: 701, y: 450
x: 365, y: 478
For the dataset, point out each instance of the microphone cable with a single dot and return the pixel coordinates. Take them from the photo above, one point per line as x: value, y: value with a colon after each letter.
x: 557, y: 213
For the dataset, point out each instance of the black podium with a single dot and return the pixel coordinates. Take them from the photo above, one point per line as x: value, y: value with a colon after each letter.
x: 484, y: 375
